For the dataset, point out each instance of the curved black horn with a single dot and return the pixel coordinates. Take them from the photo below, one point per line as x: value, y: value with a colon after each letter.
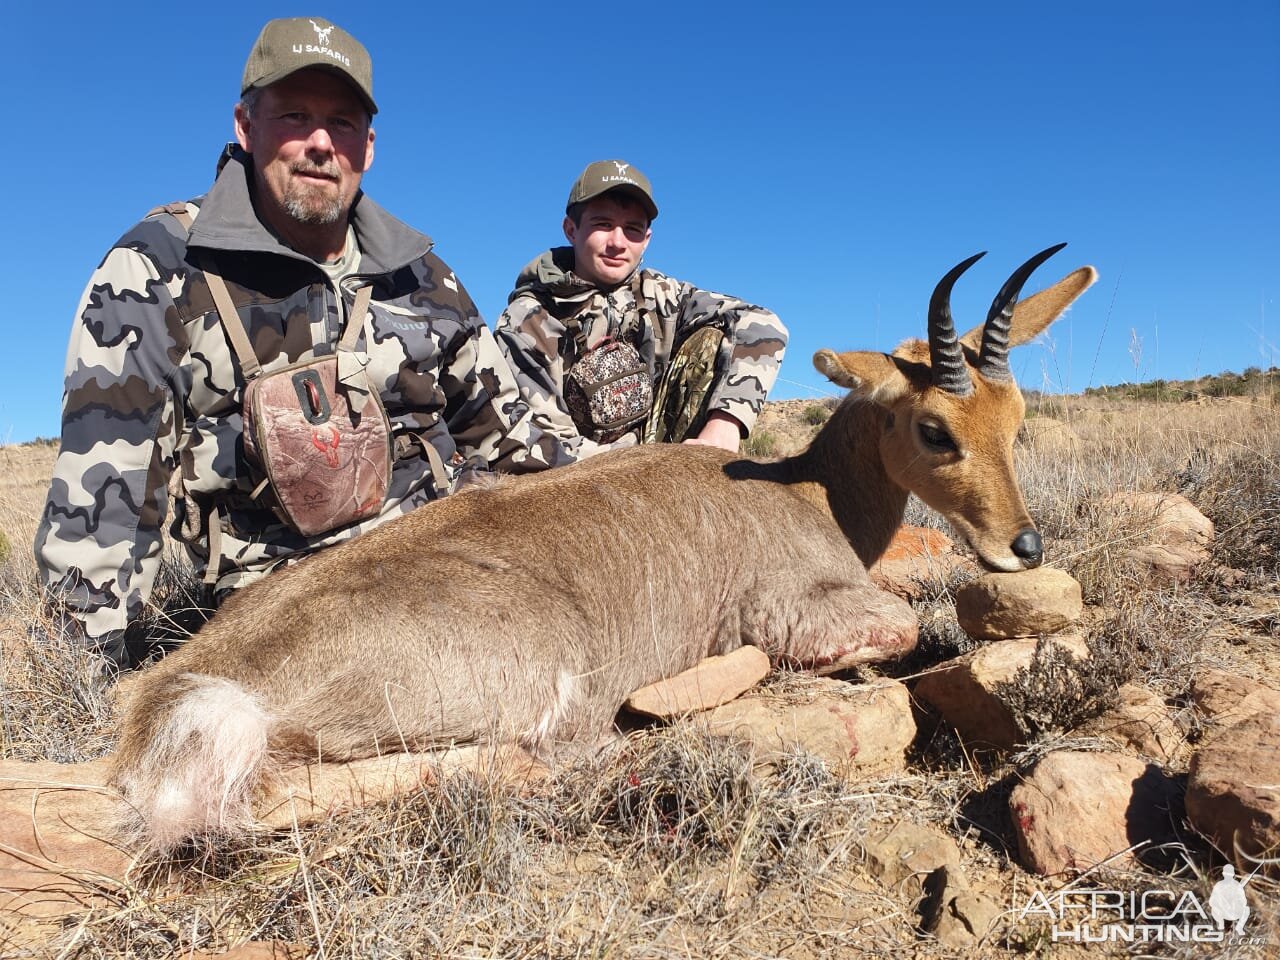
x: 945, y: 355
x: 993, y: 357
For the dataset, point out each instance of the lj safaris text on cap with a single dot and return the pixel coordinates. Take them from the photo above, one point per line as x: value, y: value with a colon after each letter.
x: 323, y: 51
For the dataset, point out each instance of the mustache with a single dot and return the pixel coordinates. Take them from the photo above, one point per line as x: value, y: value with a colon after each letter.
x: 329, y: 169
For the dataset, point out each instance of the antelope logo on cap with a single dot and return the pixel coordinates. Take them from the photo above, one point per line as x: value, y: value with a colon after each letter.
x: 322, y: 33
x: 622, y: 167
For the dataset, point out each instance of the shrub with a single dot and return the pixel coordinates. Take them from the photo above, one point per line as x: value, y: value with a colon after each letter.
x: 816, y: 414
x: 761, y: 443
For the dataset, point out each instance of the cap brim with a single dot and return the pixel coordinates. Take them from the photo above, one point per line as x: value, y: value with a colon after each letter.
x: 630, y: 190
x: 281, y: 74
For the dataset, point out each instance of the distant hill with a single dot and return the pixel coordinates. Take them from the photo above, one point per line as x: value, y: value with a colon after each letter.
x: 1254, y: 383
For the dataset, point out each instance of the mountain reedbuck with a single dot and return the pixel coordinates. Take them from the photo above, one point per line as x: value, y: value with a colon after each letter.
x: 530, y: 609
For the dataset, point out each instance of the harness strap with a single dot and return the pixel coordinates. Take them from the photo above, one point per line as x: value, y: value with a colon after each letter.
x: 213, y: 523
x: 350, y: 364
x: 439, y: 473
x: 663, y: 329
x: 226, y: 308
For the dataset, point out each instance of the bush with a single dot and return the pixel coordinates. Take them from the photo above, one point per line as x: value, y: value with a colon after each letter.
x: 816, y: 414
x: 761, y: 443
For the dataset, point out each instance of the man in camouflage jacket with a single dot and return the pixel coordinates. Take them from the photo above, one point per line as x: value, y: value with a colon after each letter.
x: 592, y: 285
x: 153, y: 391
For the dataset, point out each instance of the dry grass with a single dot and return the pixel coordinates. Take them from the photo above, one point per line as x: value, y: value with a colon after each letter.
x: 672, y: 843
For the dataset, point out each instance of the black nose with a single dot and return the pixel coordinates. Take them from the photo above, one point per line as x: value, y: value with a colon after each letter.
x: 1028, y: 547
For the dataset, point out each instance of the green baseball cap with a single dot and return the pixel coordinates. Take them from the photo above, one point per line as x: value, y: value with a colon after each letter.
x: 605, y: 175
x: 291, y: 44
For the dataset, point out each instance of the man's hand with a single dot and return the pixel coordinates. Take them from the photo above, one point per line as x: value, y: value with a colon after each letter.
x: 721, y: 430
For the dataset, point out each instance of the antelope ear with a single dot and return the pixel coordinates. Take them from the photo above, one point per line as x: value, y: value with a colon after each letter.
x: 1032, y: 315
x: 874, y: 376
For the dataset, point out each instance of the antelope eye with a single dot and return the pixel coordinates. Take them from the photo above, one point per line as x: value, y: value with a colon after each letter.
x: 935, y: 437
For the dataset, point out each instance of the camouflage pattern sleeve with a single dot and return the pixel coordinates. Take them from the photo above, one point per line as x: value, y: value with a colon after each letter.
x: 757, y: 341
x: 531, y: 340
x: 99, y: 540
x: 486, y: 414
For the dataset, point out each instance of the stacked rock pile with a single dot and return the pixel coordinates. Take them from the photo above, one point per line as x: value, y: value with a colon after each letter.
x: 1012, y: 611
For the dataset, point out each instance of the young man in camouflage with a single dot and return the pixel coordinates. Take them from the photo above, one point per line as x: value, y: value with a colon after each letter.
x: 712, y: 358
x: 153, y: 394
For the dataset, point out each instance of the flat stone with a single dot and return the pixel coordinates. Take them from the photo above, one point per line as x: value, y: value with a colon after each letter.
x: 1078, y: 809
x: 256, y: 950
x: 1233, y: 789
x: 57, y: 854
x: 954, y: 914
x: 857, y: 730
x: 1174, y: 536
x: 963, y: 690
x: 905, y: 853
x: 1142, y: 721
x: 1168, y: 518
x: 998, y: 606
x: 1225, y: 698
x: 916, y: 557
x: 714, y: 681
x: 315, y: 792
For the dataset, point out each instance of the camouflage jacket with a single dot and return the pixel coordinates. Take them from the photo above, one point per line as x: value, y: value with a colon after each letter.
x: 533, y: 335
x: 152, y: 395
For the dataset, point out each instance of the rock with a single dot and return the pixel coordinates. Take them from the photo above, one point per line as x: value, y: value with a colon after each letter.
x: 1233, y: 790
x: 916, y: 557
x: 714, y: 681
x: 315, y: 792
x: 1178, y: 535
x: 907, y: 852
x: 998, y: 606
x: 53, y: 855
x: 855, y: 729
x: 1141, y: 720
x: 56, y: 852
x: 256, y: 950
x: 956, y: 915
x: 963, y: 689
x: 1225, y: 698
x: 1078, y: 809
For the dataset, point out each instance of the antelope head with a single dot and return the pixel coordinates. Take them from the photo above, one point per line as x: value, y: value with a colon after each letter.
x: 950, y: 410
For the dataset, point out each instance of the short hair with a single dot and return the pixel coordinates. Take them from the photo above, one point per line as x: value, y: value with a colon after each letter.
x: 618, y: 194
x: 249, y: 101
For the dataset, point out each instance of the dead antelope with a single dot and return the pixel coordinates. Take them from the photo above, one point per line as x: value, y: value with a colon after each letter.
x: 529, y: 610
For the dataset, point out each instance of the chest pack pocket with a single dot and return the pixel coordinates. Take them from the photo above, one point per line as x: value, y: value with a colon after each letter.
x: 609, y: 388
x: 315, y: 431
x: 318, y: 432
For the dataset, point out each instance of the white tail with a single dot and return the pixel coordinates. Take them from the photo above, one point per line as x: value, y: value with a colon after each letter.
x: 201, y: 764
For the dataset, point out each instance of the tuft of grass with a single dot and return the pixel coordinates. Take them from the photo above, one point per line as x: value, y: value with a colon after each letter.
x: 816, y: 414
x: 1240, y: 493
x: 761, y: 443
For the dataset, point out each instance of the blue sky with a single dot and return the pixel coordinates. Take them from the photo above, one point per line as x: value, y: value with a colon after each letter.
x: 829, y: 161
